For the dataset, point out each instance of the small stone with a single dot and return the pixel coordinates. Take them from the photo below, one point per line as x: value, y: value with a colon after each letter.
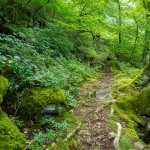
x: 111, y: 135
x: 89, y: 141
x: 111, y: 111
x: 96, y: 131
x: 138, y: 146
x: 84, y: 132
x: 100, y: 137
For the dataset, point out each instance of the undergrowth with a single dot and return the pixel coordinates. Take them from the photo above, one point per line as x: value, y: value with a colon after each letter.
x: 43, y: 69
x: 34, y: 59
x: 52, y: 131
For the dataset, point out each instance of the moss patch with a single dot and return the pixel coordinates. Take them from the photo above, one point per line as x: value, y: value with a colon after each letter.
x: 10, y: 136
x: 3, y: 87
x: 131, y: 103
x: 38, y: 98
x: 136, y: 103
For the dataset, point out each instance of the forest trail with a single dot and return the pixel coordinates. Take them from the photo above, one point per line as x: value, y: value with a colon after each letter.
x: 94, y: 100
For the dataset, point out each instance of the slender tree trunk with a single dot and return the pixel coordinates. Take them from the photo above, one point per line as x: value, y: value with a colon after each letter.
x: 136, y: 38
x: 146, y: 47
x: 120, y: 24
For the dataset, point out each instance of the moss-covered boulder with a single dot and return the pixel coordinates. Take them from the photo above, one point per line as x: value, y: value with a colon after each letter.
x: 38, y: 98
x: 10, y: 136
x: 3, y: 87
x: 141, y: 102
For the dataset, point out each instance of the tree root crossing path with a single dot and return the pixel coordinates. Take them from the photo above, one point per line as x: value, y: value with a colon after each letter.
x: 94, y: 108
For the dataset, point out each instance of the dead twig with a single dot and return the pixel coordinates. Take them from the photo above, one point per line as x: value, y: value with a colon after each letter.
x: 29, y: 144
x: 72, y: 133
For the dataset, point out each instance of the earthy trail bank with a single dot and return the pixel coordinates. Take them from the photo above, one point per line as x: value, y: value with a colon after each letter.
x: 94, y: 101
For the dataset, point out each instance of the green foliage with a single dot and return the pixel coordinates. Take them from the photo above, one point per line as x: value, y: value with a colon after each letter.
x: 40, y: 138
x: 88, y: 52
x: 17, y: 122
x: 124, y: 78
x: 143, y: 80
x: 55, y: 132
x: 56, y: 125
x: 51, y: 64
x: 70, y: 99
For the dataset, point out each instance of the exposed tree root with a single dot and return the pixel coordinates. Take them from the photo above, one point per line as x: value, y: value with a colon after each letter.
x: 117, y: 138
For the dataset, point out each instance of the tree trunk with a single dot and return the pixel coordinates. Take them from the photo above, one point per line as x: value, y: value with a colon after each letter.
x: 136, y: 38
x: 120, y: 24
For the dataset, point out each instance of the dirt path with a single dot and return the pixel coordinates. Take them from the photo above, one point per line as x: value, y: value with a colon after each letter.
x: 94, y: 101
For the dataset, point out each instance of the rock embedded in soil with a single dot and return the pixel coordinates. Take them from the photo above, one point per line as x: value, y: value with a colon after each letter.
x: 54, y: 109
x: 84, y: 132
x: 138, y: 146
x: 111, y: 135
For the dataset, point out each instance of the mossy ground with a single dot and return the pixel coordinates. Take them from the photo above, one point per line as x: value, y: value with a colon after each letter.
x: 132, y: 101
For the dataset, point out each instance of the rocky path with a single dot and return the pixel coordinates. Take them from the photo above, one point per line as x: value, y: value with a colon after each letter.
x: 94, y: 101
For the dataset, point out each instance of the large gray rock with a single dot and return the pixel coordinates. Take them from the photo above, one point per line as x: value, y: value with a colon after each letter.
x: 54, y: 109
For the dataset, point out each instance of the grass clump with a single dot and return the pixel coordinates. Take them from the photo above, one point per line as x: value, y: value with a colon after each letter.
x: 126, y: 144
